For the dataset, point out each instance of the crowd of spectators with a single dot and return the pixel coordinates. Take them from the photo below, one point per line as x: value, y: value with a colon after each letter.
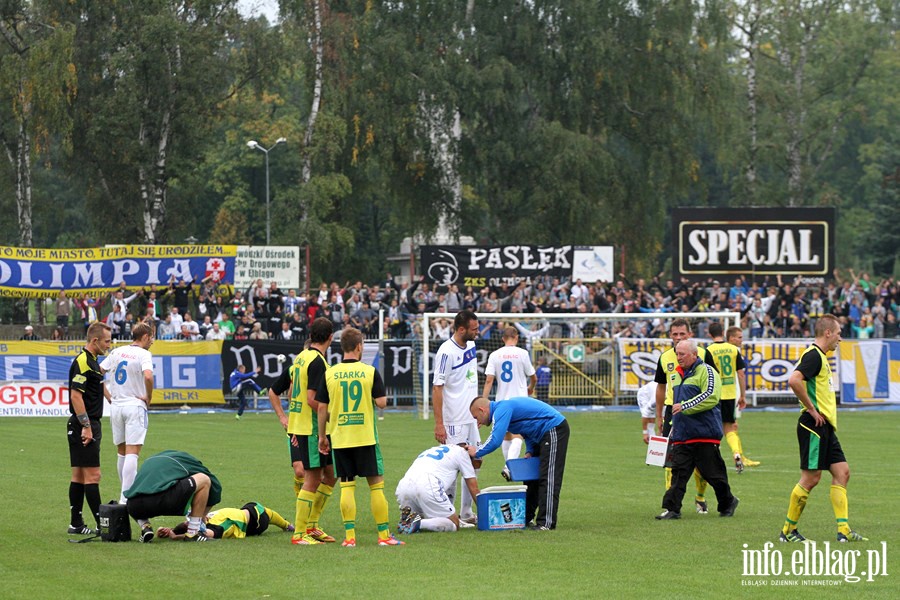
x: 769, y: 307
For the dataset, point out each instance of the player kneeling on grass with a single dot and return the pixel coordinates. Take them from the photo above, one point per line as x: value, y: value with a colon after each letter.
x: 422, y: 493
x: 251, y: 519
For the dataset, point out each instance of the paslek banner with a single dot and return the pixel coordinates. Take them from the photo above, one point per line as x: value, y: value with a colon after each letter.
x: 769, y: 363
x: 42, y: 272
x: 870, y: 370
x: 183, y: 371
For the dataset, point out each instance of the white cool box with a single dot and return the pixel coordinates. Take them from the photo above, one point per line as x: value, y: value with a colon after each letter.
x: 656, y: 451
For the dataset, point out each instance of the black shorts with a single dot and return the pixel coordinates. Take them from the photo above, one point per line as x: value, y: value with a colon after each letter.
x: 174, y: 501
x: 727, y: 408
x: 819, y: 446
x: 307, y: 452
x: 362, y: 461
x: 259, y: 519
x: 79, y: 454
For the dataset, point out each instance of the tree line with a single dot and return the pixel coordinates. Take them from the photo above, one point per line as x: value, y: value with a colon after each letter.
x: 540, y: 122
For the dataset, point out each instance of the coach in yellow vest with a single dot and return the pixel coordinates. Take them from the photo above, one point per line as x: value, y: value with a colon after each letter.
x: 813, y: 384
x: 347, y: 398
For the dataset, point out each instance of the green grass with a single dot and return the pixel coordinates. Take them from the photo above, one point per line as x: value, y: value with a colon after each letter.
x: 607, y: 546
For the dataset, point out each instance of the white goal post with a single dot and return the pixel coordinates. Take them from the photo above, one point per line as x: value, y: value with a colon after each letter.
x: 566, y: 329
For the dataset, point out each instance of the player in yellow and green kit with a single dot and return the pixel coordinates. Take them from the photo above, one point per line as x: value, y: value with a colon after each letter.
x: 813, y: 384
x: 312, y: 470
x: 727, y: 355
x: 679, y: 330
x: 347, y: 398
x: 252, y: 519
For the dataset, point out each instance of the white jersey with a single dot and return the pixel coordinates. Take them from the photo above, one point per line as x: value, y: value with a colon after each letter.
x: 443, y: 463
x: 646, y: 400
x: 125, y: 366
x: 456, y: 370
x: 511, y: 367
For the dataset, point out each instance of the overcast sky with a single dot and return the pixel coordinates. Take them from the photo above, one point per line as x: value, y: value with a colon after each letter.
x: 253, y: 8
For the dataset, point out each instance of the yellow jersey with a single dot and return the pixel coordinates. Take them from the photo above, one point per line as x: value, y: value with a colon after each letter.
x: 729, y: 361
x: 301, y: 417
x: 665, y: 369
x: 816, y: 371
x: 351, y: 406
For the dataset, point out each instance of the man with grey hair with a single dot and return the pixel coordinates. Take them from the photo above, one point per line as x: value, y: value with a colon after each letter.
x: 696, y: 432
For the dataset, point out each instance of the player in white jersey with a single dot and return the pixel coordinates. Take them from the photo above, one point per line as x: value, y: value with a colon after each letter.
x: 646, y: 401
x: 129, y: 389
x: 515, y: 375
x: 426, y: 491
x: 455, y: 385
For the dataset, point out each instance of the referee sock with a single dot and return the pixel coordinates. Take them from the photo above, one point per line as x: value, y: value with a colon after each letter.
x: 76, y: 503
x: 348, y: 509
x: 298, y: 484
x: 799, y: 496
x: 129, y: 471
x: 92, y: 494
x: 841, y: 508
x: 380, y: 510
x: 323, y: 493
x: 305, y: 502
x: 734, y: 442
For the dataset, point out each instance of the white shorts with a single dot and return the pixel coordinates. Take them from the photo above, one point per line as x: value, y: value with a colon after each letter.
x: 424, y: 495
x: 648, y: 409
x: 463, y: 434
x: 129, y: 424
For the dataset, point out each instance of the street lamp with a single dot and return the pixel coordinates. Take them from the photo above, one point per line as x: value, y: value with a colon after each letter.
x: 254, y: 145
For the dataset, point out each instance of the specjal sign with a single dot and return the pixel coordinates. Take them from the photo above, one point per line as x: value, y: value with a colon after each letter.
x: 753, y: 241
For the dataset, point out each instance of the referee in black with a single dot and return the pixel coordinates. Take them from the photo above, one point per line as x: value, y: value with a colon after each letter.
x: 83, y: 427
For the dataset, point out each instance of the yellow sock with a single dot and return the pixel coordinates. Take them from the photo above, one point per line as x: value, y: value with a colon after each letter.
x: 734, y: 442
x: 276, y: 519
x: 668, y: 471
x: 701, y: 486
x: 380, y: 510
x: 298, y: 485
x: 304, y: 506
x: 323, y: 493
x: 348, y: 509
x: 841, y: 508
x: 799, y: 496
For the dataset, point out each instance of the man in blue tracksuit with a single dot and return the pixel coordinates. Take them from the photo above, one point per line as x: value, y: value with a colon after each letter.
x: 696, y: 432
x: 546, y: 435
x: 239, y: 381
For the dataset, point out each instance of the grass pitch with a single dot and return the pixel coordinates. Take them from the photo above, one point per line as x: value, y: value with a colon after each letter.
x: 608, y: 544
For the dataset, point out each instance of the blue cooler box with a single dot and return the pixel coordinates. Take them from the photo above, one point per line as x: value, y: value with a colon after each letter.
x: 501, y: 507
x: 524, y: 469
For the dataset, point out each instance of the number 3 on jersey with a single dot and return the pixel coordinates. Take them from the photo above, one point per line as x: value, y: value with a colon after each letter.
x: 506, y: 372
x: 121, y: 375
x: 439, y: 454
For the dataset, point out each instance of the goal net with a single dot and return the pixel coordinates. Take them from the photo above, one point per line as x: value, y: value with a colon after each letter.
x: 594, y: 359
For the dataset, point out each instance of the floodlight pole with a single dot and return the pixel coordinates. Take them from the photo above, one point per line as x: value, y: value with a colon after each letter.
x: 254, y: 145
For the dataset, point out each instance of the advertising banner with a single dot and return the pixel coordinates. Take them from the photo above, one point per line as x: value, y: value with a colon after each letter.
x: 769, y: 363
x: 280, y: 264
x: 870, y: 370
x: 753, y: 241
x: 480, y: 266
x: 183, y: 372
x: 42, y: 272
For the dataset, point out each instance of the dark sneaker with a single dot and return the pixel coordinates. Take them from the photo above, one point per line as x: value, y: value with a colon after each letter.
x: 146, y: 534
x: 701, y: 506
x: 728, y: 512
x: 738, y: 463
x: 667, y: 515
x: 792, y: 536
x: 851, y: 537
x: 506, y: 474
x: 82, y: 530
x: 199, y: 537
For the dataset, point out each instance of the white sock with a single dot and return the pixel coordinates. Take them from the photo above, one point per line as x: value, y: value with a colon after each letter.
x: 515, y: 447
x: 437, y: 524
x: 120, y: 462
x: 504, y: 447
x: 142, y: 522
x: 193, y: 525
x: 651, y: 429
x: 129, y: 470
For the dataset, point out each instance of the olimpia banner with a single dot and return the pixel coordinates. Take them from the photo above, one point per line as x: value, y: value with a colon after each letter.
x: 42, y: 272
x: 183, y: 372
x: 870, y: 370
x: 769, y: 363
